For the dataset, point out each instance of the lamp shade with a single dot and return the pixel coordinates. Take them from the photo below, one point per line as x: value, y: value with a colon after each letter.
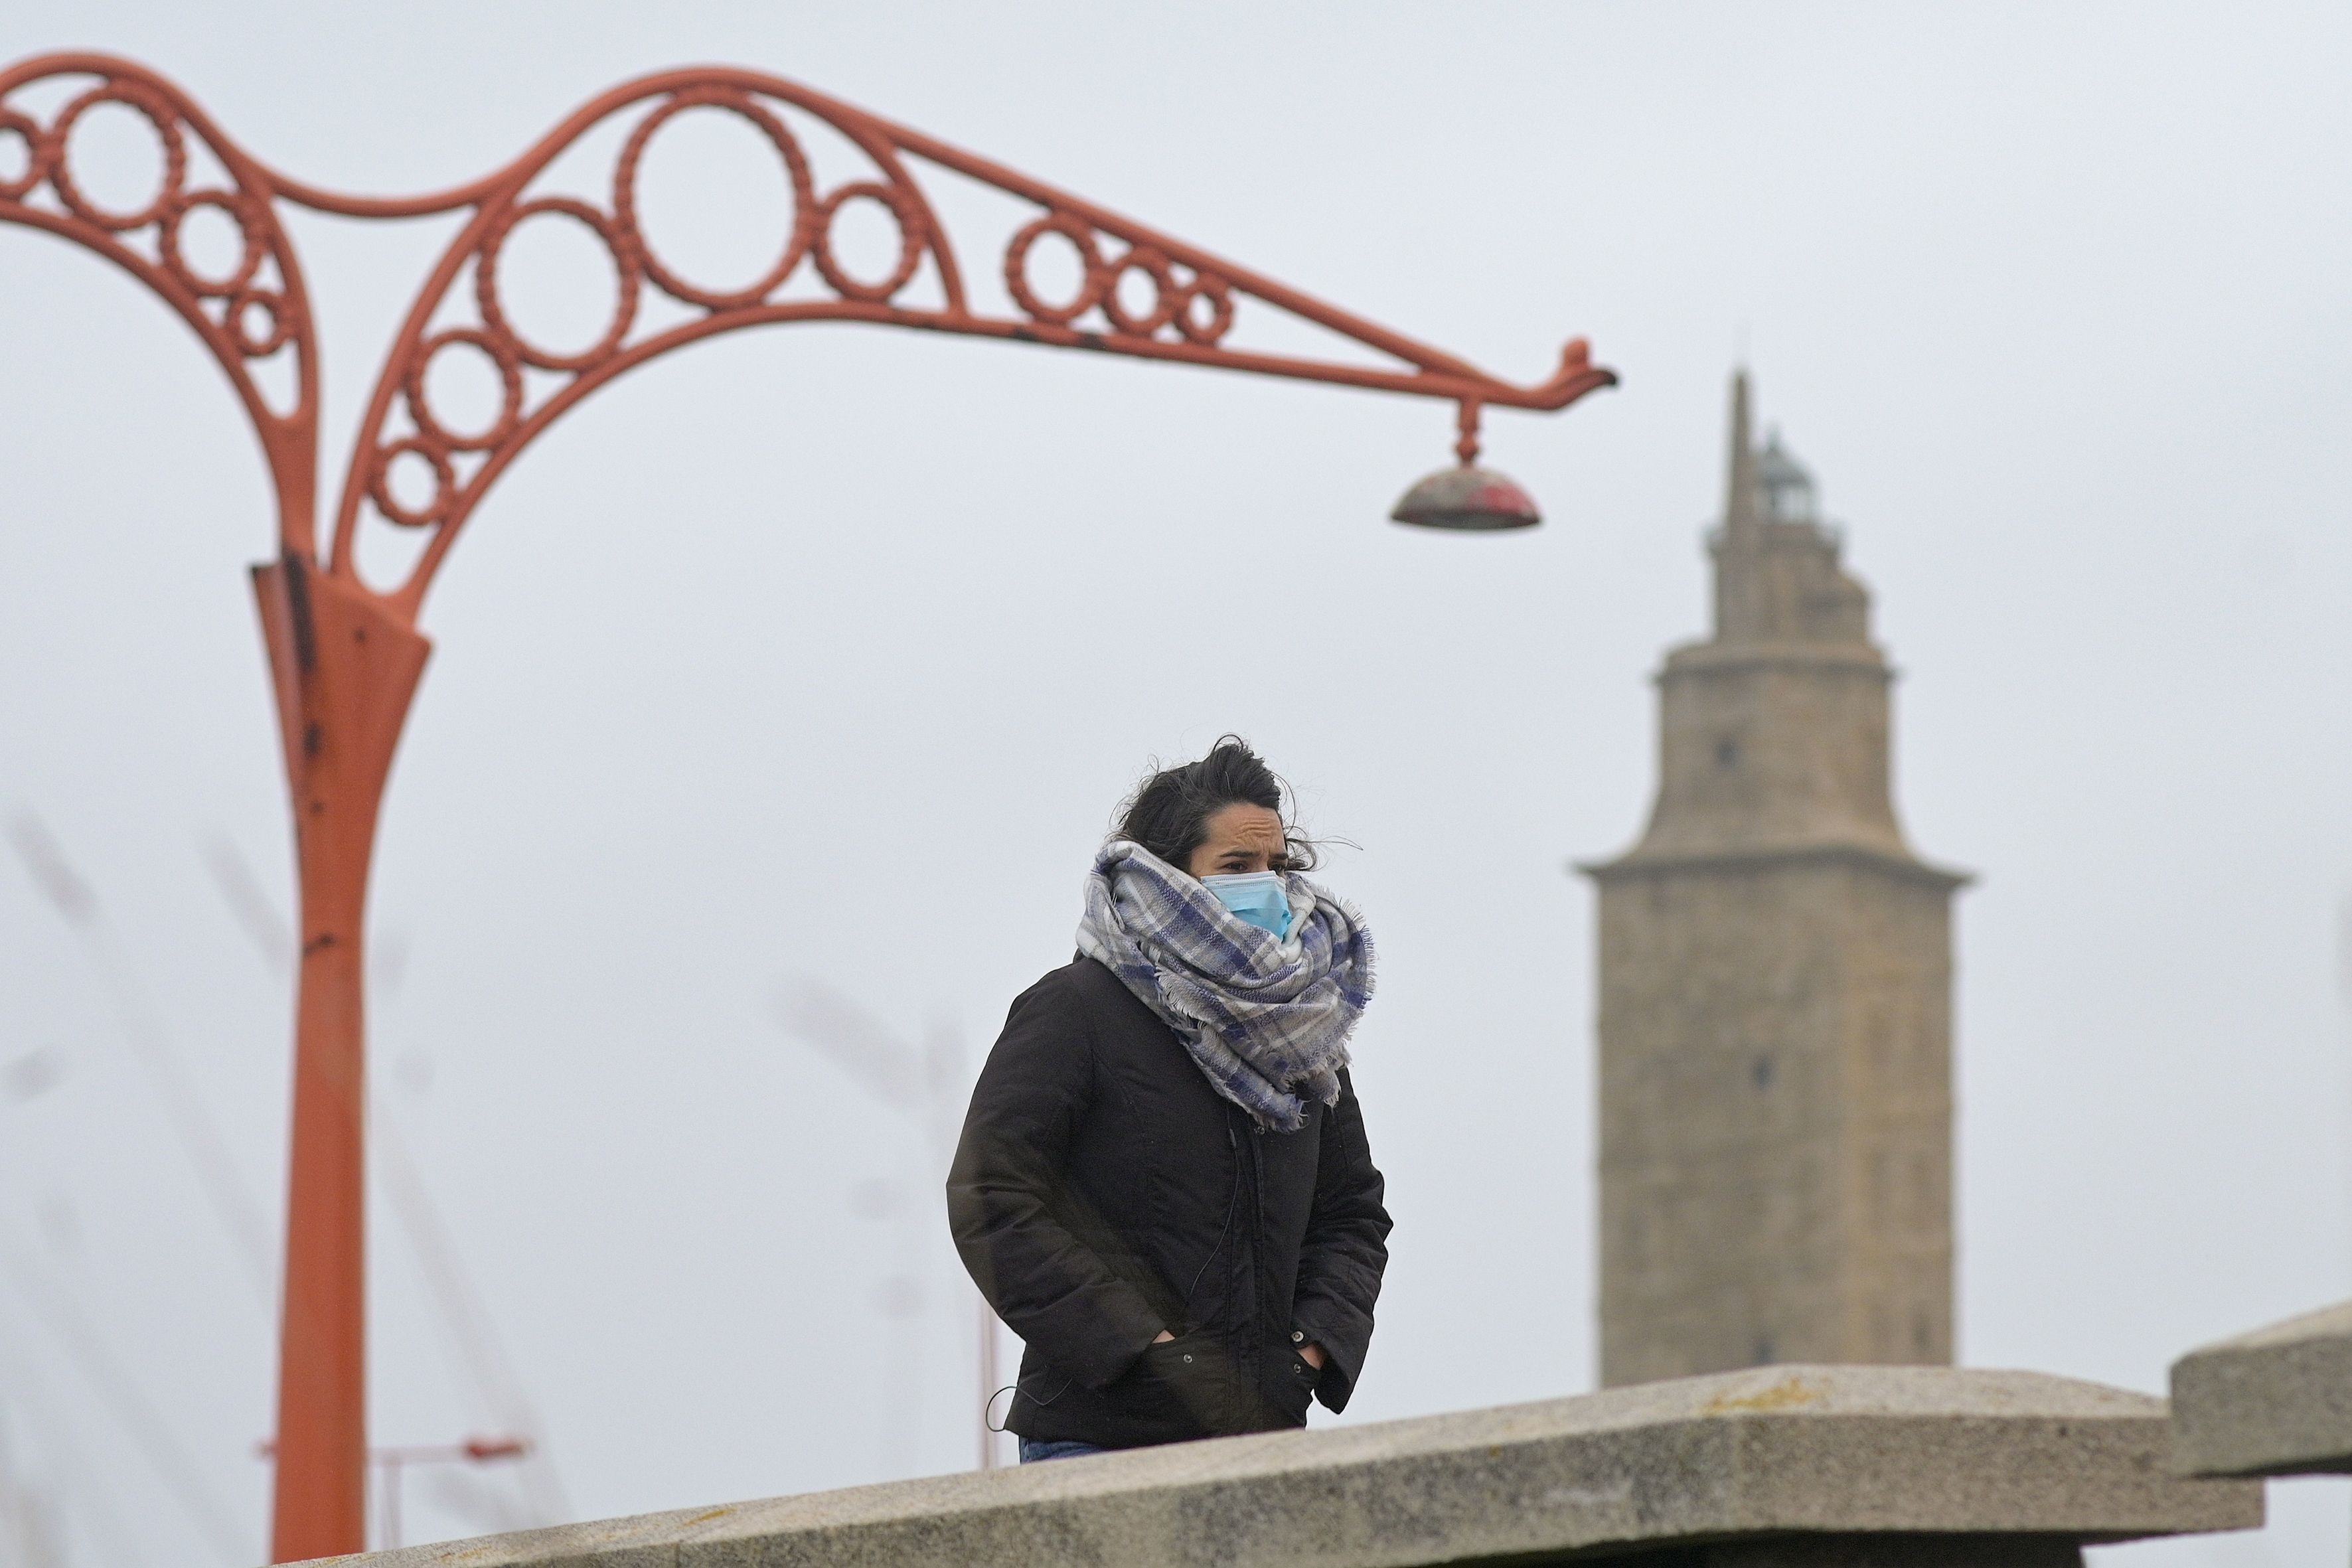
x: 1468, y: 497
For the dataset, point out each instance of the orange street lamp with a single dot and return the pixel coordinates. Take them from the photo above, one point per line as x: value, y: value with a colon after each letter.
x: 345, y: 654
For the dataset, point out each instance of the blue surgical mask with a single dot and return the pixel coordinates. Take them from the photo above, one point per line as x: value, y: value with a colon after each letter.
x: 1257, y: 897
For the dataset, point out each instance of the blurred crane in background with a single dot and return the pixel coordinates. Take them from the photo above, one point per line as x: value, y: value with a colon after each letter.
x: 927, y: 1083
x: 29, y: 1522
x: 30, y: 1526
x: 480, y: 1360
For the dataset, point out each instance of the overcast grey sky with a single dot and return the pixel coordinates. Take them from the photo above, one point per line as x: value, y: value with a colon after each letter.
x: 823, y: 655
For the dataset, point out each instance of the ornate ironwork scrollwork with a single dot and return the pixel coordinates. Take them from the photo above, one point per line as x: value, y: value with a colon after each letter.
x: 1184, y: 309
x: 244, y: 316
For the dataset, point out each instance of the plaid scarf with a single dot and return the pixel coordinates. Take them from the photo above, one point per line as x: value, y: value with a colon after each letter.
x: 1267, y: 1019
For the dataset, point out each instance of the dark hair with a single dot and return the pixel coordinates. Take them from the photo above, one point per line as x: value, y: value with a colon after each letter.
x: 1169, y: 812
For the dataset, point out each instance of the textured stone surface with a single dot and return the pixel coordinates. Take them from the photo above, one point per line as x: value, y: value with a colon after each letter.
x: 1775, y: 981
x: 1834, y: 1467
x: 2275, y: 1402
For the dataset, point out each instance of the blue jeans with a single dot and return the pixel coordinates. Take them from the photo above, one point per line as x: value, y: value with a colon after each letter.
x: 1033, y: 1450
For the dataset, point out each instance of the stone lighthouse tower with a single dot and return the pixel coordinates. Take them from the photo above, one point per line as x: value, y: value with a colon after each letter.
x: 1775, y: 1019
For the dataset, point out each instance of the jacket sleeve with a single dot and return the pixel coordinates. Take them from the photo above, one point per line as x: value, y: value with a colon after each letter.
x: 1346, y: 1250
x: 1016, y: 1221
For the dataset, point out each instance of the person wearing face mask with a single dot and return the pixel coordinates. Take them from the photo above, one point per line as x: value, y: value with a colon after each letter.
x: 1163, y: 1185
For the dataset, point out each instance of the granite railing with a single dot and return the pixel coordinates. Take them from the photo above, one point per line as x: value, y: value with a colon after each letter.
x: 2276, y: 1401
x: 1855, y: 1467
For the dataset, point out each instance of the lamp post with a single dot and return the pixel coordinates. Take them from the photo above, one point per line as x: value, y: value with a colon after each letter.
x: 345, y: 654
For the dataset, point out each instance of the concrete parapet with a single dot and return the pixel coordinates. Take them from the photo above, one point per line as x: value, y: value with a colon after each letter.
x: 2275, y: 1402
x: 1823, y: 1467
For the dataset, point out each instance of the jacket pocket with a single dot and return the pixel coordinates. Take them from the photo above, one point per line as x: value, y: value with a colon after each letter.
x: 1194, y: 1380
x: 1296, y: 1391
x: 1042, y: 1386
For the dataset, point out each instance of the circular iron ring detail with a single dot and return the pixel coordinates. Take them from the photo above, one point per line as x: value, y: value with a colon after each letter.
x: 380, y: 487
x: 40, y: 151
x: 1016, y: 270
x: 911, y: 235
x: 624, y: 197
x: 444, y: 480
x: 270, y: 301
x: 1165, y: 299
x: 167, y: 242
x: 501, y: 354
x: 167, y: 131
x: 625, y: 271
x: 1219, y: 294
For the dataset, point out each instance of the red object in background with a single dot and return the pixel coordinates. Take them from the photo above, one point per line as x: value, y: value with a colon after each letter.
x: 391, y: 1462
x: 345, y: 656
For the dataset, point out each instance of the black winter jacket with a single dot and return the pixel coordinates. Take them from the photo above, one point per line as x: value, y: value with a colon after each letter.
x: 1103, y: 1191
